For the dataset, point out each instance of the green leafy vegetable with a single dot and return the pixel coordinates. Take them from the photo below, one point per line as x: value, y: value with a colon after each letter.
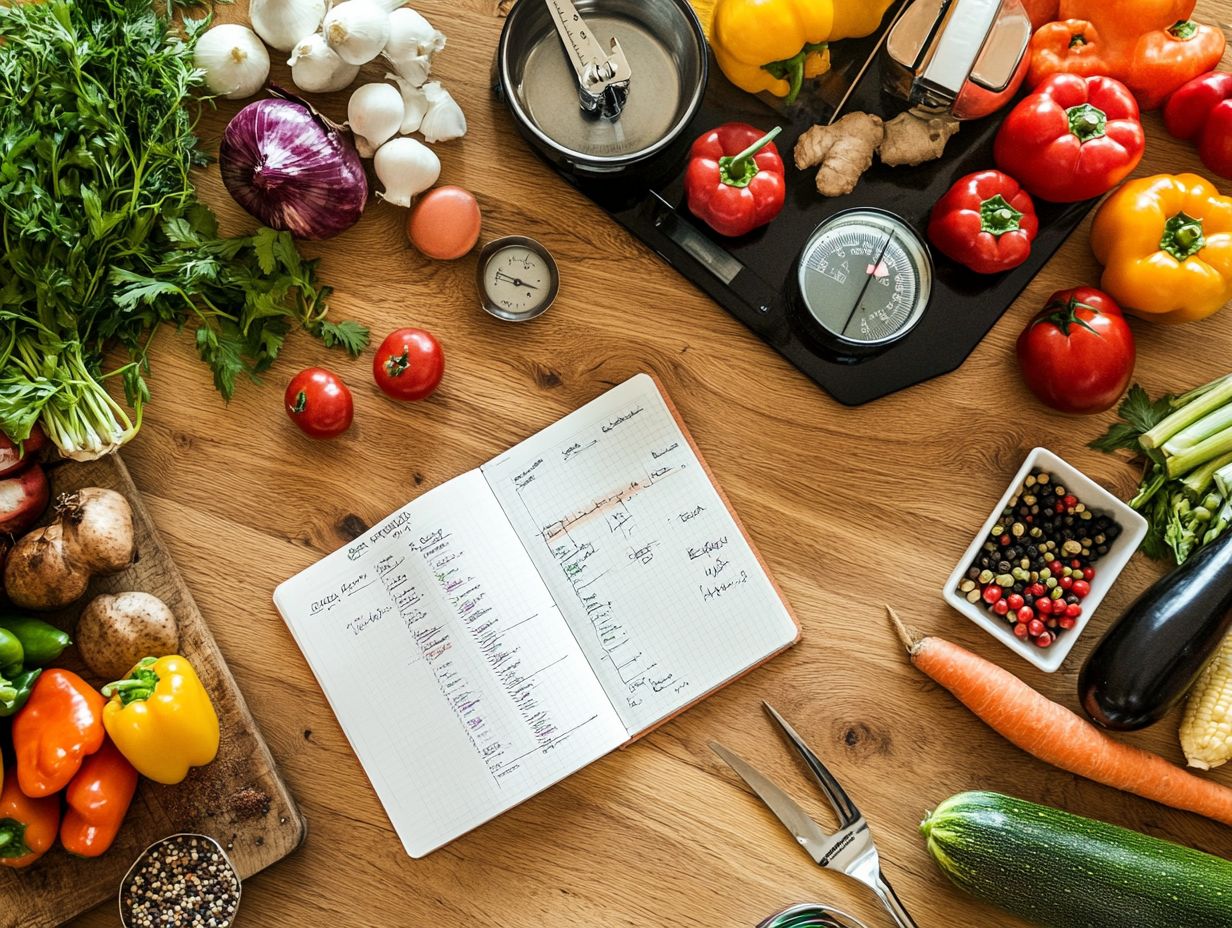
x: 103, y: 237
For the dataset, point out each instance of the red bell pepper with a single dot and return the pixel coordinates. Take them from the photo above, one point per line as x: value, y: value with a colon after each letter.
x: 61, y: 725
x: 735, y: 179
x: 1201, y: 110
x: 97, y: 800
x: 986, y: 222
x: 1072, y: 139
x: 1165, y: 59
x: 27, y: 826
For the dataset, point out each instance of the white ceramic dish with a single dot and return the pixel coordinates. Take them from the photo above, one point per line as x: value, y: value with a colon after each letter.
x: 1107, y: 569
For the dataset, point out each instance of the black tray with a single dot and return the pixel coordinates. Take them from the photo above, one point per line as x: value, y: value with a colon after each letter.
x: 760, y: 288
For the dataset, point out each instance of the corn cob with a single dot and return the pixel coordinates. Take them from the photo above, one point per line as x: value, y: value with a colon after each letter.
x: 1206, y: 729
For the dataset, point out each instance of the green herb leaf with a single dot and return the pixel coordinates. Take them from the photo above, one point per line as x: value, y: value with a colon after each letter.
x: 348, y: 335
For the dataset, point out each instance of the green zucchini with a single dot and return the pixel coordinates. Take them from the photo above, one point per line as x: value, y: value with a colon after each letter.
x: 1063, y: 871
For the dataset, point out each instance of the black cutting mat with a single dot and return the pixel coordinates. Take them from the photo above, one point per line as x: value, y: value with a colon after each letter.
x: 763, y: 295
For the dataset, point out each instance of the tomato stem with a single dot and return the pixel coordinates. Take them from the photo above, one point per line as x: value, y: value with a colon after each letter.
x: 301, y: 402
x: 1064, y: 315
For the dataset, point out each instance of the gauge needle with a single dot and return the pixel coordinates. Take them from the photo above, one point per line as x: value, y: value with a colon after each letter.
x: 516, y: 281
x: 872, y: 272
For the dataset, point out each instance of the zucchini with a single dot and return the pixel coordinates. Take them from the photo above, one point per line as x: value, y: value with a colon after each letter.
x: 1063, y: 871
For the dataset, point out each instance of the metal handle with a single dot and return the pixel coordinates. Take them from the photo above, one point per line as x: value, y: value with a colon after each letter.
x: 889, y: 899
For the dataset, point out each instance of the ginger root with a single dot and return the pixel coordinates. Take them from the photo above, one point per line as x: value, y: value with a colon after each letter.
x: 844, y: 151
x: 911, y: 140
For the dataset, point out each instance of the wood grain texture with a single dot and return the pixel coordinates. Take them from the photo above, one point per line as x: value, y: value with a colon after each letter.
x: 61, y: 886
x: 850, y: 507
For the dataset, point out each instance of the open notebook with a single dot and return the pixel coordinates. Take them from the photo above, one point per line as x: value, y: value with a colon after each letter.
x: 518, y: 622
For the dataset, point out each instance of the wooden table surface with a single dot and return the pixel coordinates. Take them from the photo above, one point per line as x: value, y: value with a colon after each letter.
x: 852, y: 508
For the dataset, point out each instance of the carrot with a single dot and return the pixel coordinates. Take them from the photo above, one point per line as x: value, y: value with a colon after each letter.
x: 1056, y: 735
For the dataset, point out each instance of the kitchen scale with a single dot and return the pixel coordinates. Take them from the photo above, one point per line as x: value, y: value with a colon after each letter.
x: 845, y: 288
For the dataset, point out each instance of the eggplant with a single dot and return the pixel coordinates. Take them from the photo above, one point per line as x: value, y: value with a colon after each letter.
x: 1147, y: 661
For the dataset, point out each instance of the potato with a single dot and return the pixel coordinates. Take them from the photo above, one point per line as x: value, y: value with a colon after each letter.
x: 115, y: 632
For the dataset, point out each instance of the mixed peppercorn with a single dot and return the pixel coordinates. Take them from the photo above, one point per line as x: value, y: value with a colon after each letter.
x: 1036, y: 566
x: 184, y: 881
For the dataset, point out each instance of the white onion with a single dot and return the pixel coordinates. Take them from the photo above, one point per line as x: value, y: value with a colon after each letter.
x: 235, y: 62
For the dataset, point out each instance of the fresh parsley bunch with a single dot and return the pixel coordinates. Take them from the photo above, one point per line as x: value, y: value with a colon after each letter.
x: 103, y: 236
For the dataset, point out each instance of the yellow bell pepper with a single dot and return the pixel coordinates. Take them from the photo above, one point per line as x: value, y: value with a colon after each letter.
x: 1166, y: 246
x: 161, y: 719
x: 854, y: 19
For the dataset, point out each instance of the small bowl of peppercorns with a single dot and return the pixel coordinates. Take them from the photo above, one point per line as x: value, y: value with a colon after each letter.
x: 1045, y: 559
x: 182, y: 881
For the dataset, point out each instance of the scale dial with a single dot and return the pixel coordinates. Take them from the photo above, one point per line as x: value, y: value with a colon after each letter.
x: 518, y: 278
x: 865, y: 277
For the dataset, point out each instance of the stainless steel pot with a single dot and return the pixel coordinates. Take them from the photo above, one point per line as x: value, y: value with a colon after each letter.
x: 666, y: 50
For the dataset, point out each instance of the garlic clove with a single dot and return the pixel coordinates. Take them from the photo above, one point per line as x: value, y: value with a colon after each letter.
x: 444, y: 120
x: 375, y: 113
x: 282, y: 23
x: 235, y: 62
x: 414, y: 101
x: 411, y: 34
x: 316, y: 68
x: 405, y: 168
x: 357, y: 30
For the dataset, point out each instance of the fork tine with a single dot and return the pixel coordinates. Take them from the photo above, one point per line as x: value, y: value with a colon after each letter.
x: 844, y: 808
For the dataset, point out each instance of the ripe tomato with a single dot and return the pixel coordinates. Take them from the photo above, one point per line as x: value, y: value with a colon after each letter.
x: 409, y: 364
x: 319, y: 403
x: 1078, y: 354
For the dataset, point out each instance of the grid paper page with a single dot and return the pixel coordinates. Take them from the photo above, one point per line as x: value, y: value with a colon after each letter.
x: 447, y: 664
x: 643, y: 558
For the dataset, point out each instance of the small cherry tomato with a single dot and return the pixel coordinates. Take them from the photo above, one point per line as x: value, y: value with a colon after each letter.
x: 319, y: 403
x: 409, y: 364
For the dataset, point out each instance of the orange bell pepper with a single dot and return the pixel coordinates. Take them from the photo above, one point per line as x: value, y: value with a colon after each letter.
x: 60, y: 726
x: 27, y: 826
x: 1166, y: 59
x: 1070, y: 46
x: 98, y: 799
x: 1122, y: 21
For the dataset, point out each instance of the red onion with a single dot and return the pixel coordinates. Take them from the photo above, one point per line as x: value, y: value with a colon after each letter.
x: 293, y: 169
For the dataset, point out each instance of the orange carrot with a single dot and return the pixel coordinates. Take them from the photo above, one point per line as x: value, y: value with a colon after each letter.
x: 1056, y: 735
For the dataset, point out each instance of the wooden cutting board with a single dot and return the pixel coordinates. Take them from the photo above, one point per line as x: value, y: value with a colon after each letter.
x: 240, y: 799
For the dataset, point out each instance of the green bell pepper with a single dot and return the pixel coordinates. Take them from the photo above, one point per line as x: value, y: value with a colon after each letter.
x: 11, y: 655
x: 42, y: 643
x: 21, y: 684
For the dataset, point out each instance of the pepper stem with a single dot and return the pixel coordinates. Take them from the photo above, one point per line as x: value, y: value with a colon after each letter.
x: 739, y: 170
x: 1183, y: 237
x: 13, y: 838
x: 792, y: 69
x: 997, y: 217
x: 138, y: 685
x: 1183, y: 29
x: 1087, y: 122
x: 1077, y: 40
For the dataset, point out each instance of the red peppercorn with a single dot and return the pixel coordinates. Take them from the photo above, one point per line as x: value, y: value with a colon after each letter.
x: 1005, y: 541
x: 1044, y: 606
x: 1015, y: 601
x: 1076, y: 564
x: 1001, y: 607
x: 1066, y: 583
x: 1071, y: 501
x: 1020, y: 630
x: 1026, y: 614
x: 1035, y: 627
x: 1056, y: 567
x: 992, y: 593
x: 1081, y: 589
x: 1088, y: 573
x: 1035, y: 589
x: 1066, y: 622
x: 1073, y: 610
x: 1051, y: 623
x: 1044, y: 640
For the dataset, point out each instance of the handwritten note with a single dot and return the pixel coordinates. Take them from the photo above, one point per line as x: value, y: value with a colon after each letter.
x: 643, y: 558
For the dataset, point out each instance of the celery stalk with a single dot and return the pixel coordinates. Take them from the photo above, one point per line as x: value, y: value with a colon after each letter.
x: 1218, y: 396
x: 1216, y: 446
x: 1199, y: 431
x: 1223, y: 480
x: 1198, y: 482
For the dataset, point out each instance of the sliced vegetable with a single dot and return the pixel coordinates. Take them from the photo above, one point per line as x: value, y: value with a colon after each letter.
x: 1206, y: 729
x: 23, y: 500
x: 293, y: 170
x: 409, y: 364
x: 320, y: 405
x: 51, y: 566
x: 97, y: 801
x: 985, y: 222
x: 115, y: 632
x: 1078, y: 354
x: 27, y: 826
x: 1056, y: 735
x: 735, y: 178
x: 1166, y: 246
x: 995, y: 846
x: 1150, y: 657
x: 161, y: 718
x: 61, y: 725
x: 1201, y: 111
x: 1072, y: 139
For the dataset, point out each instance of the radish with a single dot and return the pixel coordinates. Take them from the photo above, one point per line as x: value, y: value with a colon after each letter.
x: 15, y: 457
x: 23, y: 498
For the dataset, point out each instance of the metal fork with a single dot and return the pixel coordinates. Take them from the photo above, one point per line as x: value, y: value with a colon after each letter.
x: 850, y: 850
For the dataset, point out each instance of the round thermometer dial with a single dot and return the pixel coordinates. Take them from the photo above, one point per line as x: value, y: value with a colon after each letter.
x: 865, y: 277
x: 518, y: 278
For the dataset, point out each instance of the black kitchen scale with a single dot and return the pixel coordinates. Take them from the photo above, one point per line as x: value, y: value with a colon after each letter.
x: 867, y: 248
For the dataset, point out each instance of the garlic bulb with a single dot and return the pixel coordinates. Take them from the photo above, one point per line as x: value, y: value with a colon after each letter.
x: 444, y: 120
x: 375, y: 114
x: 405, y: 168
x: 282, y: 23
x: 414, y: 102
x: 316, y: 67
x: 412, y: 45
x: 357, y: 30
x: 391, y: 5
x: 235, y: 62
